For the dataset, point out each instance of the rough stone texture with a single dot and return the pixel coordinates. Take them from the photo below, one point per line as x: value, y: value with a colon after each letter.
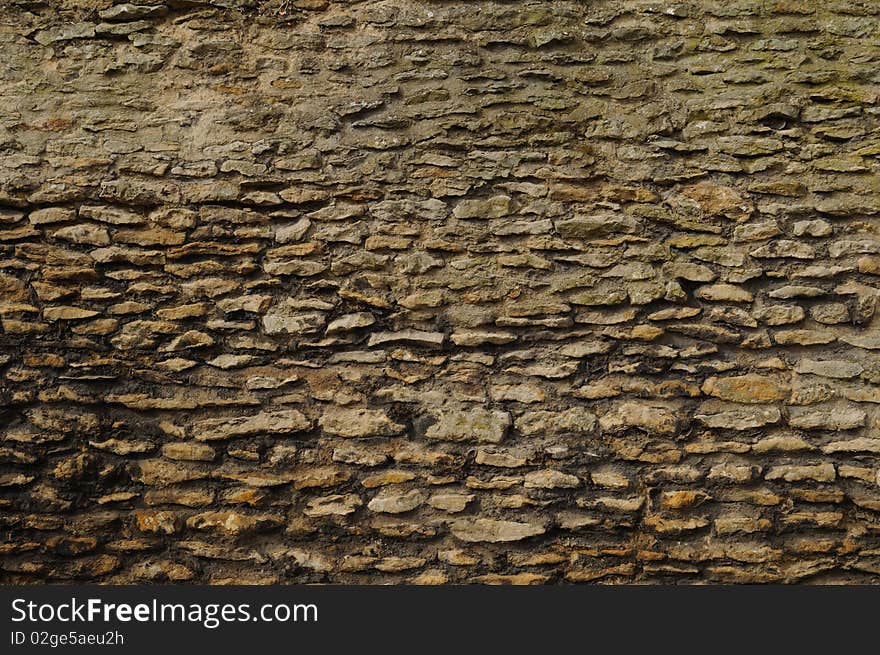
x: 421, y: 291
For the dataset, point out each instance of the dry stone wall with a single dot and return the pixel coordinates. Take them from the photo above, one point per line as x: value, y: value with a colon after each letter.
x: 439, y: 291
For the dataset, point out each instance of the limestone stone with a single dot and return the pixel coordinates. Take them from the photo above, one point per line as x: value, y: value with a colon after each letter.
x: 792, y: 473
x: 359, y: 423
x: 286, y: 421
x: 746, y: 389
x: 493, y: 207
x: 391, y: 501
x: 84, y: 233
x: 128, y: 12
x: 780, y: 314
x: 719, y: 200
x: 826, y: 419
x: 591, y: 227
x: 829, y: 368
x: 333, y: 505
x: 551, y: 479
x: 470, y: 424
x: 784, y: 248
x: 286, y: 318
x: 350, y: 322
x: 830, y: 313
x: 494, y: 531
x: 653, y: 419
x: 740, y: 419
x: 576, y: 420
x: 724, y: 293
x: 451, y: 502
x: 197, y: 452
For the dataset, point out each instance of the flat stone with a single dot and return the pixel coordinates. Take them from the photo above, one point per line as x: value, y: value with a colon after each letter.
x: 859, y: 445
x: 575, y: 420
x: 832, y: 313
x: 194, y: 452
x: 477, y: 424
x: 232, y: 522
x: 830, y: 368
x: 293, y: 232
x: 826, y: 419
x: 592, y: 227
x: 286, y: 421
x: 780, y: 314
x: 804, y: 337
x: 747, y: 388
x: 867, y: 342
x: 126, y: 12
x: 521, y: 393
x: 740, y: 419
x: 353, y: 423
x: 287, y: 317
x: 719, y: 200
x: 350, y: 322
x: 494, y: 207
x: 391, y: 501
x: 333, y: 505
x: 450, y: 501
x: 689, y: 271
x: 84, y: 233
x: 187, y: 341
x: 800, y: 473
x: 652, y: 419
x: 50, y: 215
x: 551, y: 479
x: 724, y: 293
x: 494, y: 531
x: 784, y: 249
x: 470, y: 338
x: 112, y: 215
x: 813, y: 228
x: 756, y: 231
x: 252, y: 303
x: 65, y: 33
x: 66, y: 313
x: 418, y: 337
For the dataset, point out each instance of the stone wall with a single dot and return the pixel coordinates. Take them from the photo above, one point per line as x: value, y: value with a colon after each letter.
x: 439, y: 291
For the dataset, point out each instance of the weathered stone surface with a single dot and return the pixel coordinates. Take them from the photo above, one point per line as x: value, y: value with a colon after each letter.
x: 269, y: 422
x: 391, y: 501
x: 653, y: 419
x: 791, y: 473
x: 740, y: 419
x: 470, y: 424
x: 419, y: 337
x: 494, y: 207
x: 591, y: 227
x: 826, y: 419
x: 350, y: 322
x: 359, y: 422
x: 333, y: 505
x: 724, y: 292
x: 126, y: 12
x: 747, y: 389
x: 830, y: 368
x: 576, y: 420
x: 451, y: 502
x: 550, y: 479
x: 494, y: 531
x: 288, y: 318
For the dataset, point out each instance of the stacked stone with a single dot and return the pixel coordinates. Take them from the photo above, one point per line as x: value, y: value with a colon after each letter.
x: 429, y: 292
